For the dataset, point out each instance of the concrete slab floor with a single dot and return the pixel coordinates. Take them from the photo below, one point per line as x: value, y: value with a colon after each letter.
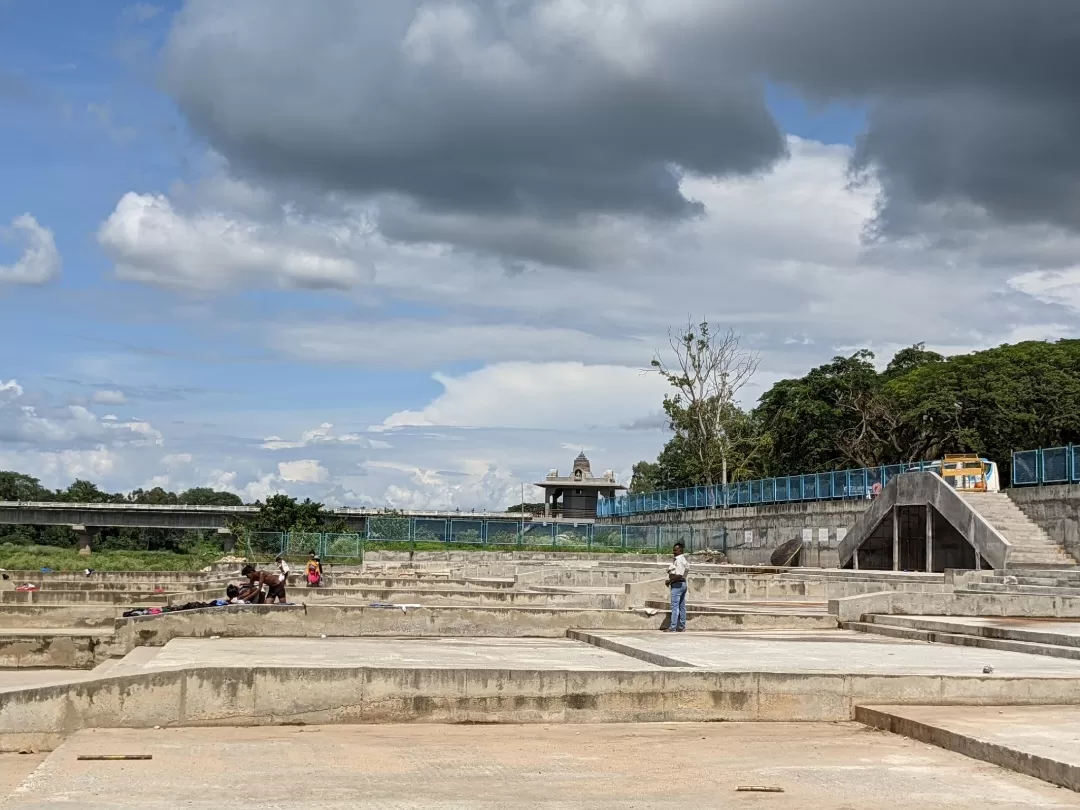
x: 834, y: 651
x: 502, y: 653
x: 1045, y: 731
x: 613, y: 767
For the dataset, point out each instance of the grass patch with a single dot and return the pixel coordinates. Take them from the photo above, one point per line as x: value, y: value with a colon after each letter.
x: 34, y: 558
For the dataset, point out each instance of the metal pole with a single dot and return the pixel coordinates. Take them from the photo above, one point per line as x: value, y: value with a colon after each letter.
x: 929, y: 539
x: 896, y: 538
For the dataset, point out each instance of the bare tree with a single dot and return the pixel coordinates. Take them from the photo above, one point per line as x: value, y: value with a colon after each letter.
x: 707, y: 369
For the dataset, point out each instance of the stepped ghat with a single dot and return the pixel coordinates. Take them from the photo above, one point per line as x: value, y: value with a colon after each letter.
x: 976, y: 652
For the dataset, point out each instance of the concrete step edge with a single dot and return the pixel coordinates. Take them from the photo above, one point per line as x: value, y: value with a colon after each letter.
x: 1008, y: 635
x: 964, y: 640
x: 1055, y: 772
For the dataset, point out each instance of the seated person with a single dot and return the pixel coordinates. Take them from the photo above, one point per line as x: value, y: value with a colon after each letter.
x: 314, y: 571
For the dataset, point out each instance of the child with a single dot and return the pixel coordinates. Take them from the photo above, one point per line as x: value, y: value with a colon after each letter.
x: 283, y: 568
x: 314, y: 571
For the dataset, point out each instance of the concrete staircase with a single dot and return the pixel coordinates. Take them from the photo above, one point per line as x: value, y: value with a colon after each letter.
x: 1030, y: 546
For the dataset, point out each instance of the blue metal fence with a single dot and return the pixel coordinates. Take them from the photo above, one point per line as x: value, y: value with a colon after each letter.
x: 839, y: 485
x: 1048, y: 465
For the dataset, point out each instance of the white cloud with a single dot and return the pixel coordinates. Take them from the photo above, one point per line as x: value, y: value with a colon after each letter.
x: 323, y: 434
x: 304, y: 470
x: 433, y: 343
x: 151, y: 242
x: 537, y: 396
x: 33, y: 421
x: 40, y: 261
x: 106, y: 397
x: 1051, y: 286
x: 60, y: 467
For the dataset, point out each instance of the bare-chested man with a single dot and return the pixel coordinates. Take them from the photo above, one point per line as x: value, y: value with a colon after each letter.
x: 274, y: 583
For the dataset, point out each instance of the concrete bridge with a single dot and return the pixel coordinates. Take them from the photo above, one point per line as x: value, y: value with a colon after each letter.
x: 87, y: 519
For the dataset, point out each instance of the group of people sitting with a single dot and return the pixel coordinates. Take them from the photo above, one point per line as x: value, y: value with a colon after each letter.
x: 257, y: 588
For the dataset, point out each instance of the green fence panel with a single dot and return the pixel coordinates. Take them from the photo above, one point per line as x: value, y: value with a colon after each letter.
x: 431, y: 530
x: 607, y: 538
x: 300, y: 544
x: 538, y: 535
x: 467, y: 532
x: 263, y: 544
x: 572, y: 535
x: 342, y: 545
x: 503, y: 532
x: 389, y: 529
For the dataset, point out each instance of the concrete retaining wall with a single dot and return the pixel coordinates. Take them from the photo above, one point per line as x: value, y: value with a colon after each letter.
x: 162, y: 578
x: 428, y: 596
x: 54, y: 616
x: 42, y: 717
x: 754, y: 532
x: 336, y: 620
x: 958, y: 603
x: 737, y: 588
x: 52, y: 651
x: 92, y: 597
x: 1056, y: 509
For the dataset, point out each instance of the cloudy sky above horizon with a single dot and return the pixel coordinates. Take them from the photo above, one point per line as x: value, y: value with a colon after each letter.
x: 415, y: 253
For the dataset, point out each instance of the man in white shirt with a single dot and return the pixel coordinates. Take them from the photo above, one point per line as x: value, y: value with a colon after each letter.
x: 677, y: 573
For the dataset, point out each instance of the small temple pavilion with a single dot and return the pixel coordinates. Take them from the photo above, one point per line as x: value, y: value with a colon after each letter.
x: 576, y: 495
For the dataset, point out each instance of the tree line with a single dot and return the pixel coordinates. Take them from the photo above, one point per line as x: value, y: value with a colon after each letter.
x: 846, y: 413
x: 279, y: 513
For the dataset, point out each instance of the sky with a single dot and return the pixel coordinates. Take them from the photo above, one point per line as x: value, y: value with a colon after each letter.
x: 417, y: 253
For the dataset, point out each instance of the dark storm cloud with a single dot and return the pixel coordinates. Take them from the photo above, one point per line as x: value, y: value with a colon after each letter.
x: 493, y: 107
x: 972, y: 101
x: 462, y: 107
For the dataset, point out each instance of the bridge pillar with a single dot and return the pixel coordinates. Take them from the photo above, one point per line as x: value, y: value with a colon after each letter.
x: 930, y: 538
x: 228, y: 540
x: 85, y: 535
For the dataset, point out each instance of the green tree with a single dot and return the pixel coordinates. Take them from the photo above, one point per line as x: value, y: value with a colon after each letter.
x: 282, y: 513
x: 707, y: 369
x: 157, y: 495
x: 204, y: 496
x: 18, y: 487
x: 80, y: 491
x: 532, y: 508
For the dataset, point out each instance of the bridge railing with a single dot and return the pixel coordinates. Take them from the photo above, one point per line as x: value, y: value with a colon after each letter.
x: 838, y: 485
x: 1047, y: 465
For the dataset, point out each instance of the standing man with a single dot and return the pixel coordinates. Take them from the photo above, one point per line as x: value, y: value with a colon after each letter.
x: 677, y: 574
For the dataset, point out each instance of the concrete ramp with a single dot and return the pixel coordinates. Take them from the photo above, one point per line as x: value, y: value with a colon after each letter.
x: 949, y: 526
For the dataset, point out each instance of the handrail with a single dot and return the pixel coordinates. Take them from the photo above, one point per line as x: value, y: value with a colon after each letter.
x: 855, y: 484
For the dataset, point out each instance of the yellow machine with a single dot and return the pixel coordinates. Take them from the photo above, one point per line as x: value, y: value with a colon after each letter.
x: 964, y: 472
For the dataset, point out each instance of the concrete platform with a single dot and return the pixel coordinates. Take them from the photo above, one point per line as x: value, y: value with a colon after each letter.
x: 585, y: 767
x: 1039, y: 741
x: 422, y: 653
x: 823, y: 652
